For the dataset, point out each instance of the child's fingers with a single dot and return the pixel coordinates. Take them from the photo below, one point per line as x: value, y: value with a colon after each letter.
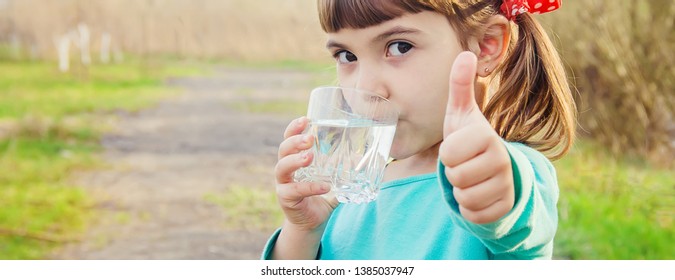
x: 463, y: 145
x: 478, y: 169
x: 462, y: 82
x: 295, y: 144
x: 290, y: 194
x: 287, y: 165
x: 481, y: 195
x: 489, y: 214
x: 297, y: 126
x: 461, y: 99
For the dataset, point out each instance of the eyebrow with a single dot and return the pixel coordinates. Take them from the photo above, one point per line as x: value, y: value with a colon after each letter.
x: 396, y: 30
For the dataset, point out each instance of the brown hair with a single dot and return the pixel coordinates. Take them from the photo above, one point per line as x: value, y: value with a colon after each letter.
x: 533, y: 103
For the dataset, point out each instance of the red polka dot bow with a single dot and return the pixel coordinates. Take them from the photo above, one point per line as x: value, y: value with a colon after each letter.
x: 512, y: 8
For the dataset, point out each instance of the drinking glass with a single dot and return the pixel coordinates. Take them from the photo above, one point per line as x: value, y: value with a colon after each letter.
x: 353, y: 131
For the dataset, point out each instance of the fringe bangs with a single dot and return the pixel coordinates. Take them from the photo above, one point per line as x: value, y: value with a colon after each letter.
x: 338, y: 14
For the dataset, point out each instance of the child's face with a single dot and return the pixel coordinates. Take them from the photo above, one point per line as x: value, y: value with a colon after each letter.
x: 407, y: 60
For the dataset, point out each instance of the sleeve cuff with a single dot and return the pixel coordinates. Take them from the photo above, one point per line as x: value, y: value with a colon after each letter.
x: 267, y: 251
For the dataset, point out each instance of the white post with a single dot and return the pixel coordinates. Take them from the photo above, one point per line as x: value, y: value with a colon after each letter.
x: 83, y: 31
x: 105, y: 47
x: 63, y: 47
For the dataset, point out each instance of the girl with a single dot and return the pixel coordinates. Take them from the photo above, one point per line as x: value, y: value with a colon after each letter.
x: 482, y: 97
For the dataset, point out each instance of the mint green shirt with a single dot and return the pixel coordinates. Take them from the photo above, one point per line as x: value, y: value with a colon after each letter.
x: 418, y: 218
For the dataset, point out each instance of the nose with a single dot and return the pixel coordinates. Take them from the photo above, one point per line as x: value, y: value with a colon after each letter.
x: 370, y: 78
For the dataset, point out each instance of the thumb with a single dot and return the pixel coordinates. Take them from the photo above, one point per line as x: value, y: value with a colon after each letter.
x: 461, y: 99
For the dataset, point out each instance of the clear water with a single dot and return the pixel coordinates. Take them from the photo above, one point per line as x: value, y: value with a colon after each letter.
x: 351, y: 156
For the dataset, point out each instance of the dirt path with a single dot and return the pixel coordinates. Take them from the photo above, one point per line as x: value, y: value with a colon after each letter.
x: 163, y: 161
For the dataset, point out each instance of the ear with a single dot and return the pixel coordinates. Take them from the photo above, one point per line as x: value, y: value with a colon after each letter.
x: 490, y: 44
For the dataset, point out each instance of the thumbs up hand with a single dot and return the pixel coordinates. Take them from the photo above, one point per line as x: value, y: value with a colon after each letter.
x: 476, y: 161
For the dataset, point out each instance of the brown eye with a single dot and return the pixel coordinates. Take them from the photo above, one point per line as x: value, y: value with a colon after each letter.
x: 345, y: 57
x: 398, y: 48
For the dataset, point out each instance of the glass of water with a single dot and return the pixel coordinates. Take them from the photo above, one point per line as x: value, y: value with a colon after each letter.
x: 353, y: 131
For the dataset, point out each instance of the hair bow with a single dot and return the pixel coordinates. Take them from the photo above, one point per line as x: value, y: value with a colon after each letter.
x: 512, y: 8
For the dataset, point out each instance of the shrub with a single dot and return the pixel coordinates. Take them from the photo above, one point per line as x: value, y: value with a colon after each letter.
x: 621, y: 54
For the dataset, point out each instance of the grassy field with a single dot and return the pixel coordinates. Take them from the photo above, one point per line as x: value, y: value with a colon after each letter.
x: 50, y: 124
x: 614, y: 208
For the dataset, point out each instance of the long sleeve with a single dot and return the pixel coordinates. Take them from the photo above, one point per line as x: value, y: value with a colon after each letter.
x: 527, y: 231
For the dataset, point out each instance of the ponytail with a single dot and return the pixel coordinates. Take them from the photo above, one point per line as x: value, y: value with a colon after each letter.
x: 533, y: 103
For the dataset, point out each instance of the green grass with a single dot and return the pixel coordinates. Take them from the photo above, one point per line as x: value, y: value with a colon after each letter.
x: 614, y: 208
x: 50, y: 124
x: 38, y: 208
x: 38, y: 88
